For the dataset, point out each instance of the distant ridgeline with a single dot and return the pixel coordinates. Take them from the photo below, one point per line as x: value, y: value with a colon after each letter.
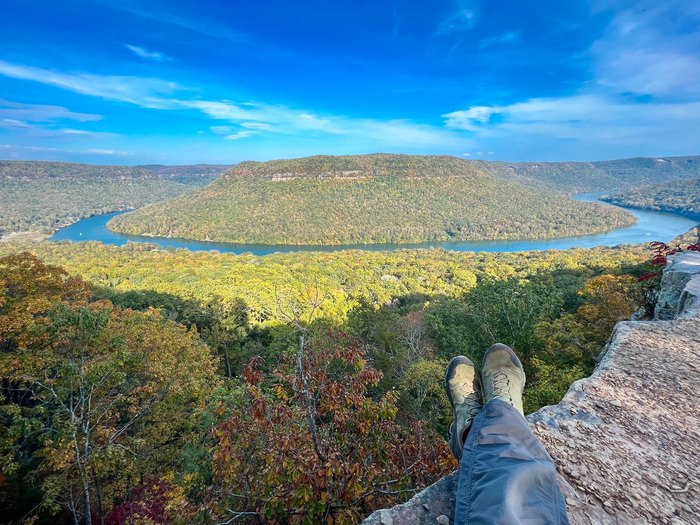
x: 44, y: 196
x: 399, y: 199
x: 681, y: 197
x: 607, y: 175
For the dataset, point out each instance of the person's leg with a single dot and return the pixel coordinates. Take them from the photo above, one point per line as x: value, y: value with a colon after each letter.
x: 506, y: 475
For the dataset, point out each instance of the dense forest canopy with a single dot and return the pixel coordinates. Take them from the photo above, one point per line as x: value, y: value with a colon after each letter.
x: 681, y: 197
x: 39, y: 170
x: 36, y: 170
x: 44, y: 196
x: 193, y: 363
x: 566, y: 176
x: 367, y: 199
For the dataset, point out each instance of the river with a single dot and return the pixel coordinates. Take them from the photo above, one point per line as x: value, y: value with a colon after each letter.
x: 650, y: 226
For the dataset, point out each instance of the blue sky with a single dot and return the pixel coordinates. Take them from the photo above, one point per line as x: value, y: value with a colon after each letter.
x: 181, y: 82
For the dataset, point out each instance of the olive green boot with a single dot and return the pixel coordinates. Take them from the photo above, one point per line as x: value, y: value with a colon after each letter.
x: 463, y: 389
x: 503, y: 376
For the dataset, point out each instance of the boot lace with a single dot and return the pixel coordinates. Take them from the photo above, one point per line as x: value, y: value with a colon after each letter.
x: 472, y: 401
x: 500, y: 385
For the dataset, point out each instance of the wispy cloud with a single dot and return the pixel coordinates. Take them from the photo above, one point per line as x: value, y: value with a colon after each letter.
x: 645, y: 85
x: 463, y: 17
x: 469, y: 119
x: 41, y: 113
x: 13, y: 123
x: 146, y: 54
x: 504, y: 38
x: 574, y: 127
x: 48, y: 131
x: 255, y: 117
x: 221, y: 130
x: 145, y: 92
x: 42, y: 121
x: 580, y: 116
x: 650, y: 48
x: 14, y: 150
x: 240, y: 135
x: 102, y: 151
x: 165, y: 14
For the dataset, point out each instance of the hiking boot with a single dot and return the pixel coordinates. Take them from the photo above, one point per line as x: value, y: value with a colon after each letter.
x: 463, y: 389
x: 503, y: 376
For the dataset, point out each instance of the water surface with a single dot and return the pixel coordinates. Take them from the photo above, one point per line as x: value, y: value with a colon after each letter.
x: 650, y: 226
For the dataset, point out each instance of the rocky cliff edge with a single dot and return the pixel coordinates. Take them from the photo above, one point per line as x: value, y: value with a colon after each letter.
x: 626, y: 440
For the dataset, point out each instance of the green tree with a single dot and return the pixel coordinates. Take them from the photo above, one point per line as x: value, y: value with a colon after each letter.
x: 422, y: 397
x: 107, y: 393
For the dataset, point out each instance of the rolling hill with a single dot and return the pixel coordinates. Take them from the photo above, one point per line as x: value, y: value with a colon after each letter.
x: 681, y: 197
x: 368, y: 199
x: 44, y: 196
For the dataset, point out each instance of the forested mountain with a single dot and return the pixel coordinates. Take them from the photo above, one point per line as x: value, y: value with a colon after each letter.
x: 677, y: 197
x: 368, y: 199
x: 44, y: 196
x: 605, y: 175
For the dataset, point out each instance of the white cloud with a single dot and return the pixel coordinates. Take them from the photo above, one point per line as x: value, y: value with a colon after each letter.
x: 462, y: 18
x: 587, y: 121
x: 240, y: 135
x: 221, y: 130
x: 255, y: 117
x: 141, y: 52
x: 469, y: 119
x: 217, y: 109
x: 256, y: 125
x: 644, y: 94
x: 145, y: 92
x: 14, y: 149
x: 48, y: 130
x: 100, y: 151
x: 41, y: 113
x: 504, y: 38
x: 12, y: 123
x: 650, y: 48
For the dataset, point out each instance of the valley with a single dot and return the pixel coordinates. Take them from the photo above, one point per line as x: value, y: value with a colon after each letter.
x: 205, y: 347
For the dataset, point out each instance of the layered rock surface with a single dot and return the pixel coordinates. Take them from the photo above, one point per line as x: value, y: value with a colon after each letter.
x: 626, y: 441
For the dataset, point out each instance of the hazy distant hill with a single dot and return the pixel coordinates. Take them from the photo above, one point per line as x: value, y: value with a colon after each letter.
x: 367, y: 199
x: 39, y: 170
x: 44, y: 196
x: 606, y: 175
x: 677, y: 197
x: 196, y: 174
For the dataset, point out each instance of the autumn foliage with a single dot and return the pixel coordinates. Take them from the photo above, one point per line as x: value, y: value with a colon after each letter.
x: 93, y: 397
x: 313, y: 447
x: 201, y: 388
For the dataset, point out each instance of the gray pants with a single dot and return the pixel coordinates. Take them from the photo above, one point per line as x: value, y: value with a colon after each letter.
x: 506, y: 476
